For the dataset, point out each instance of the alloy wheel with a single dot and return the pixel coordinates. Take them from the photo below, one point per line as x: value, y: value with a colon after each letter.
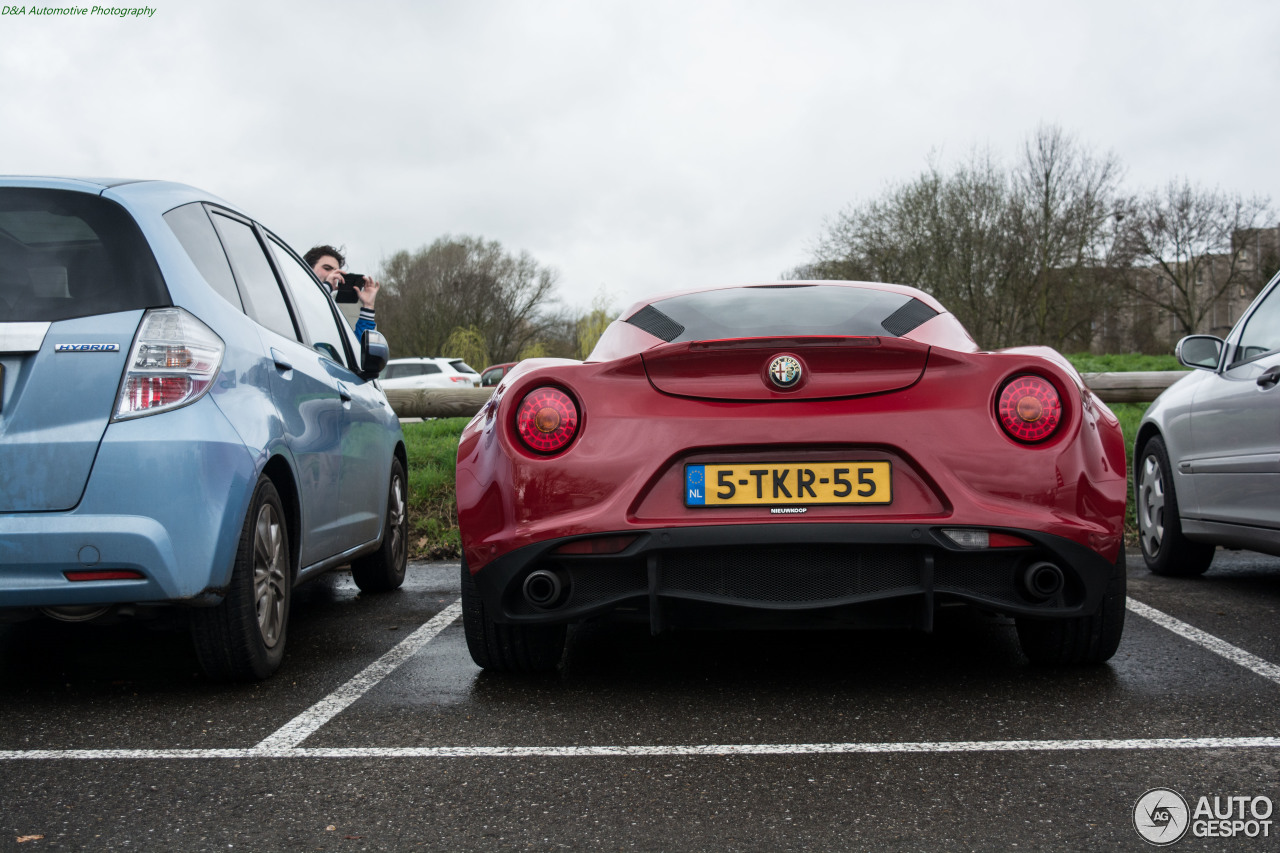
x: 397, y: 518
x: 270, y: 575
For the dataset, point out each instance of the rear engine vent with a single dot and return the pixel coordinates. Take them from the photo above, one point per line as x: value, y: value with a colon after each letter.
x: 653, y: 321
x: 915, y: 313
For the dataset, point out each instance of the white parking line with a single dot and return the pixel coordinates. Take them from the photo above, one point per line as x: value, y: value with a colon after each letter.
x: 311, y: 720
x: 1232, y: 653
x: 724, y: 749
x: 284, y: 742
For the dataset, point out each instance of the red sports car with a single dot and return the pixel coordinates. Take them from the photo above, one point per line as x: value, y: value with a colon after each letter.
x: 809, y: 454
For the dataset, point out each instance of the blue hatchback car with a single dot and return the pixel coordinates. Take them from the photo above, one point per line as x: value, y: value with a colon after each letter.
x: 185, y: 418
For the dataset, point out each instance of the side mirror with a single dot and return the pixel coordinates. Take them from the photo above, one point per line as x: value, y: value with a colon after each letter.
x: 1200, y: 351
x: 374, y: 354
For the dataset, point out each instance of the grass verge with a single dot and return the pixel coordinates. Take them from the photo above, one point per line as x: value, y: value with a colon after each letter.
x: 433, y: 513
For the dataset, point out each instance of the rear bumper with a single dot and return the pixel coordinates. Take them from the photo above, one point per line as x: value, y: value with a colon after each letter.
x: 873, y: 575
x: 158, y: 501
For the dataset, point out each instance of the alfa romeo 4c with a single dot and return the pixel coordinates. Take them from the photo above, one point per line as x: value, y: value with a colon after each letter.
x: 798, y: 454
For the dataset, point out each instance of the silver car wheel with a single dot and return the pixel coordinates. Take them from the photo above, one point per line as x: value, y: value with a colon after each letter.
x: 397, y: 518
x: 1151, y: 504
x: 270, y: 575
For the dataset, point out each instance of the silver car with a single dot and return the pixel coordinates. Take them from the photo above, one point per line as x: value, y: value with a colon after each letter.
x: 1207, y: 454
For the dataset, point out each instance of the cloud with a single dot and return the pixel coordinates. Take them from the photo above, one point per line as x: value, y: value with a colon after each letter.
x: 634, y: 146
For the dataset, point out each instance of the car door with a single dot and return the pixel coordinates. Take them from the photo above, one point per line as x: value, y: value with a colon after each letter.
x: 364, y: 459
x: 301, y: 382
x: 1235, y: 427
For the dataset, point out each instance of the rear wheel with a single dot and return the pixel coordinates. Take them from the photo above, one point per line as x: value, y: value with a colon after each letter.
x: 1164, y: 548
x: 1082, y: 639
x: 383, y: 570
x: 243, y: 637
x: 506, y: 648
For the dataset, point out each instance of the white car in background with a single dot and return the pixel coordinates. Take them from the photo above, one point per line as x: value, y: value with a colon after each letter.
x: 429, y: 373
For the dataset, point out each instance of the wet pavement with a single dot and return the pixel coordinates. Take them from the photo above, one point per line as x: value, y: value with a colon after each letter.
x: 380, y: 733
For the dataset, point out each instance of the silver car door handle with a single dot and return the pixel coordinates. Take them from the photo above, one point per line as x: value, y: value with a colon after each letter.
x: 344, y: 393
x: 1270, y: 377
x: 282, y: 364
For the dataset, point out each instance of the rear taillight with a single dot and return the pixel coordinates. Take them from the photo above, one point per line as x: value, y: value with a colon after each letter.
x: 1029, y: 408
x: 173, y: 362
x: 547, y: 420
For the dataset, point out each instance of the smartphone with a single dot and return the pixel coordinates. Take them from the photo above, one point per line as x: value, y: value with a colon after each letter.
x: 346, y: 291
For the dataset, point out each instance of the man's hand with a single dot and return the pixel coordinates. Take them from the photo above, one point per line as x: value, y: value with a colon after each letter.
x: 368, y: 293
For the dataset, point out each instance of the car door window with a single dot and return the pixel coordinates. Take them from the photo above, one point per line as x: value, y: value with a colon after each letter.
x: 195, y: 232
x: 263, y: 298
x: 320, y: 324
x: 1262, y: 331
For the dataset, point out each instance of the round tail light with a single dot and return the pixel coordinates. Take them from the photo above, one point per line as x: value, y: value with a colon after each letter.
x: 1029, y: 408
x: 547, y: 420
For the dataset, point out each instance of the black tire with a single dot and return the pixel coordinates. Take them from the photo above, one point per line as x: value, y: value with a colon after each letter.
x: 383, y: 570
x: 243, y: 637
x: 1164, y: 548
x: 507, y: 648
x: 1088, y: 639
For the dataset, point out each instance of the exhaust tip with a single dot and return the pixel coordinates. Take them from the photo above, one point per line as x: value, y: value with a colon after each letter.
x: 1042, y: 581
x: 543, y: 589
x: 76, y: 613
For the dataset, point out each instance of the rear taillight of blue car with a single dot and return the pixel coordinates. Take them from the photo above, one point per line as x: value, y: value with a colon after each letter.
x: 173, y: 362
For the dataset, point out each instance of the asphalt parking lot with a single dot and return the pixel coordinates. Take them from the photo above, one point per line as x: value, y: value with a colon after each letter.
x: 379, y: 733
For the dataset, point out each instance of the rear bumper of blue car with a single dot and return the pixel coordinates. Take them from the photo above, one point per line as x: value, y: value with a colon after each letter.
x: 166, y: 500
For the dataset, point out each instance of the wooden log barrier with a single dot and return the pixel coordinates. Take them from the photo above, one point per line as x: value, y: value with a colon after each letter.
x: 437, y: 402
x: 1139, y: 386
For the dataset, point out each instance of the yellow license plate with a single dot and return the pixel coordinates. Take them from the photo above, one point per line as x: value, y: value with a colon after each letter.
x: 787, y: 484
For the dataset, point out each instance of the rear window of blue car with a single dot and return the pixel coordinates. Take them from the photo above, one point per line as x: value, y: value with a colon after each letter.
x: 782, y: 310
x: 67, y: 254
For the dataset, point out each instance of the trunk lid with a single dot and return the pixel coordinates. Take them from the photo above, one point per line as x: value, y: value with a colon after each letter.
x: 758, y: 369
x: 58, y: 396
x: 75, y: 275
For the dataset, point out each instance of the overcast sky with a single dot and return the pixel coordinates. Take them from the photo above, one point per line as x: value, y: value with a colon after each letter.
x: 636, y: 147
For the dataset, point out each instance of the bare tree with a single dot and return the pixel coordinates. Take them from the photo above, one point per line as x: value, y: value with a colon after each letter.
x: 1183, y: 247
x: 1051, y: 251
x: 952, y: 235
x: 465, y: 283
x: 1065, y: 206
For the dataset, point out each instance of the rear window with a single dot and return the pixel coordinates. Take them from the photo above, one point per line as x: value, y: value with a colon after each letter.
x: 462, y: 367
x: 66, y: 254
x: 402, y: 371
x: 782, y: 311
